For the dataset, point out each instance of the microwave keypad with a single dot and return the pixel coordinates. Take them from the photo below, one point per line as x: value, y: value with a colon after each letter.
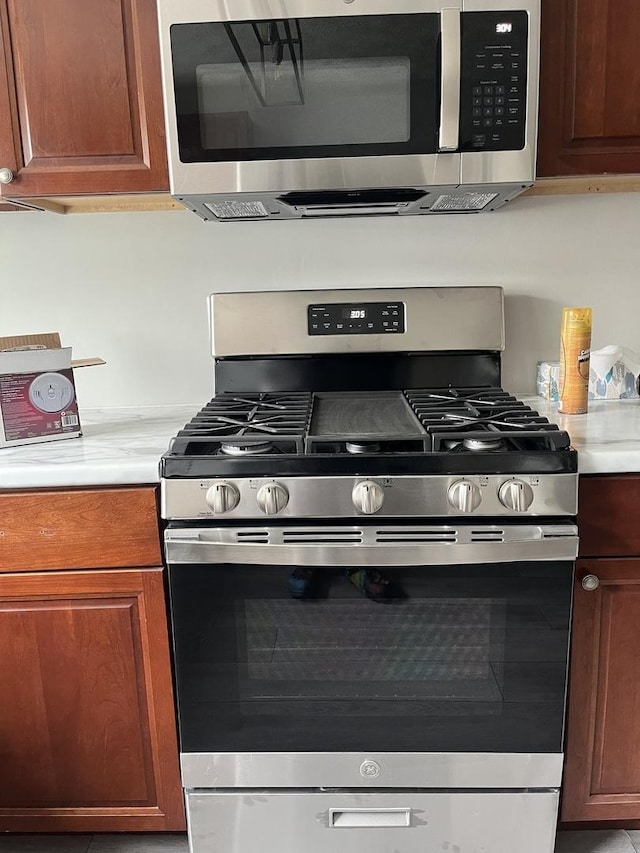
x: 494, y: 81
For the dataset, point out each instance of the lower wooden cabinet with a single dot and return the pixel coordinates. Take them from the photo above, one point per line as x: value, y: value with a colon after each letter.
x: 602, y: 771
x: 87, y: 722
x: 602, y: 766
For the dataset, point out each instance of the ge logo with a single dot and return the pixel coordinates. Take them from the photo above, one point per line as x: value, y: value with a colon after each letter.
x: 369, y: 769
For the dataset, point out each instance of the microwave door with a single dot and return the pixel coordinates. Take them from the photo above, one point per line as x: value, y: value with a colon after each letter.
x: 323, y: 85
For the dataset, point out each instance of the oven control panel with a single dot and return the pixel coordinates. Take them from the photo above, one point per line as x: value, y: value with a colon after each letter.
x: 356, y: 318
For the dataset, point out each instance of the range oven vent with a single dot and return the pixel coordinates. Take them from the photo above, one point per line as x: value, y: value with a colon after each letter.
x: 252, y: 536
x: 421, y: 535
x: 385, y: 537
x: 349, y: 535
x: 322, y: 536
x: 487, y: 535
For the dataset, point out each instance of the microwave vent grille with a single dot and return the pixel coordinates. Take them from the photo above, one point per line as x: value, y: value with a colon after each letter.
x: 231, y: 209
x: 462, y: 202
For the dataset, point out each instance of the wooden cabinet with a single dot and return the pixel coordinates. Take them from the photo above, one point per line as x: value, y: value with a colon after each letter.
x: 80, y: 98
x: 79, y: 529
x: 589, y: 88
x: 602, y: 769
x: 87, y: 720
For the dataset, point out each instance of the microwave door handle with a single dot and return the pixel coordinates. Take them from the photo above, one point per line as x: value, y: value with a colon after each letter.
x: 449, y: 80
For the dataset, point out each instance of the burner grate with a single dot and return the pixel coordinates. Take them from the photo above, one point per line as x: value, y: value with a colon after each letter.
x: 231, y: 421
x: 483, y: 420
x: 446, y: 429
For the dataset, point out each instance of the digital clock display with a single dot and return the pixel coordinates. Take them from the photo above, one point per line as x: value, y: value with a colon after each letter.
x: 354, y: 314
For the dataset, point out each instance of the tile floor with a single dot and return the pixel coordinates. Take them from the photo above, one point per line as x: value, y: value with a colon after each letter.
x: 595, y: 841
x: 598, y: 841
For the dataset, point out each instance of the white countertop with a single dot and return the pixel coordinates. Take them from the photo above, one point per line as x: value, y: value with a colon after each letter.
x: 124, y: 446
x: 607, y: 438
x: 118, y: 447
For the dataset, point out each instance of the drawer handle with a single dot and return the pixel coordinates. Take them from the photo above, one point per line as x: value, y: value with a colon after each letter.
x: 590, y: 582
x: 351, y: 818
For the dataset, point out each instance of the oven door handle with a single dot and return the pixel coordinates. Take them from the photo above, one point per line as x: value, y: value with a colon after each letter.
x: 542, y: 543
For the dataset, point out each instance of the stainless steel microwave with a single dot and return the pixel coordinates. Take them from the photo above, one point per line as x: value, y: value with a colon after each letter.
x: 280, y: 109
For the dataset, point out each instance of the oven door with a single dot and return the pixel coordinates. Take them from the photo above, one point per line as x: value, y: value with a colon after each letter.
x: 341, y: 656
x: 338, y: 87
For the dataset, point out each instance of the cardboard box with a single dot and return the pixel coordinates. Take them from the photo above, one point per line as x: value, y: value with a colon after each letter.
x: 37, y: 390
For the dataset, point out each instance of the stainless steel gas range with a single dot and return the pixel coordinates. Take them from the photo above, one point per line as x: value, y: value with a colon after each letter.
x: 370, y: 549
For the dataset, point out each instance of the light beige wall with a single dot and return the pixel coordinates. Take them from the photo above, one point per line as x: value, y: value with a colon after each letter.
x: 132, y: 287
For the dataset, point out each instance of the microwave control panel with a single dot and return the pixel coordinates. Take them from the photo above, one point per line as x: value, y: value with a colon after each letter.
x: 493, y: 95
x: 362, y: 318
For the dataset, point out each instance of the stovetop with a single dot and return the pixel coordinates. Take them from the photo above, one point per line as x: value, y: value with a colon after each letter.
x: 306, y: 446
x: 431, y: 430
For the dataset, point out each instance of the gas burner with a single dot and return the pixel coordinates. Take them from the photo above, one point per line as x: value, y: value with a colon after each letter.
x: 363, y: 447
x: 246, y: 449
x: 483, y: 444
x: 452, y: 443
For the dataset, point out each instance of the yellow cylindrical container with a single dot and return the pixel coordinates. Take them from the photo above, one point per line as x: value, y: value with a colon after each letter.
x: 575, y: 353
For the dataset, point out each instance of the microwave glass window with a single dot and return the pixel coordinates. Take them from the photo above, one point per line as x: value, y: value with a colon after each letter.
x: 306, y: 87
x: 346, y: 102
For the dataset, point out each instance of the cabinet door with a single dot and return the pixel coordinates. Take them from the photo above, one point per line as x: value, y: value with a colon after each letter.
x: 87, y: 723
x: 80, y: 98
x: 589, y: 87
x: 602, y: 769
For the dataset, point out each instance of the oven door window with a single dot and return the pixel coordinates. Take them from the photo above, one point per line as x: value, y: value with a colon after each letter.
x: 307, y: 87
x: 447, y: 659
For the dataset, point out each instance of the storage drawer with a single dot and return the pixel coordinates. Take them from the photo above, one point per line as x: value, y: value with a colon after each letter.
x: 77, y: 529
x: 608, y: 512
x: 288, y: 822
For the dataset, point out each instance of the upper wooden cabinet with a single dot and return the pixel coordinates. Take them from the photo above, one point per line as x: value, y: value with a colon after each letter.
x: 589, y: 88
x: 80, y: 98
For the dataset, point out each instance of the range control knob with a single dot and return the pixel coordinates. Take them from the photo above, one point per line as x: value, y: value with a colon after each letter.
x: 222, y: 497
x: 516, y: 495
x: 464, y: 496
x: 368, y: 497
x: 272, y: 498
